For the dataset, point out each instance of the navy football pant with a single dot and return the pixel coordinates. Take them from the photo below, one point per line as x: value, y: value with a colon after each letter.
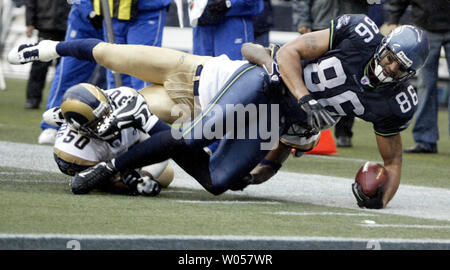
x: 234, y: 158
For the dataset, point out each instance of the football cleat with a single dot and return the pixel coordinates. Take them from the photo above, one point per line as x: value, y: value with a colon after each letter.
x: 87, y: 180
x: 47, y: 136
x: 43, y: 51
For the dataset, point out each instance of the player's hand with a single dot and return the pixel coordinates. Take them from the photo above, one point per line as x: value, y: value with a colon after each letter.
x: 318, y: 118
x: 374, y: 202
x: 131, y: 178
x: 134, y: 113
x: 304, y: 30
x: 148, y: 187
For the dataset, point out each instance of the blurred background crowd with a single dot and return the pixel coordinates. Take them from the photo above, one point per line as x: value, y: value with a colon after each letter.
x: 223, y: 27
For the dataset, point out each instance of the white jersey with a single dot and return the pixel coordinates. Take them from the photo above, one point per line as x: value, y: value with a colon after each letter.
x: 79, y: 149
x: 215, y: 74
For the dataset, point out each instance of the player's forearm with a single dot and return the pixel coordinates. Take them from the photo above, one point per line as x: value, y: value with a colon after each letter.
x: 391, y: 151
x: 257, y: 54
x: 394, y: 172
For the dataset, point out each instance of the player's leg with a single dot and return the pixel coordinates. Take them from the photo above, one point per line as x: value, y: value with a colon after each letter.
x: 159, y: 102
x: 151, y: 64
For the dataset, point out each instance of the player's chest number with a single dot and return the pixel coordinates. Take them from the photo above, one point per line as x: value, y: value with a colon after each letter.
x: 79, y: 143
x: 368, y: 31
x: 404, y: 102
x: 332, y: 65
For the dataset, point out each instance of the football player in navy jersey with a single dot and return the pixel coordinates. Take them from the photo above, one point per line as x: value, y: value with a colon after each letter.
x: 351, y: 69
x: 347, y: 69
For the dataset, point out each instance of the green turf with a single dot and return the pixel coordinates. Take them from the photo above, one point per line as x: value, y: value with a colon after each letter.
x: 30, y: 206
x: 40, y: 202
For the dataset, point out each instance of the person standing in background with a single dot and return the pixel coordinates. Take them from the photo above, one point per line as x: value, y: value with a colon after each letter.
x: 262, y: 23
x: 81, y: 23
x: 224, y: 26
x: 134, y: 22
x: 49, y: 18
x: 432, y: 16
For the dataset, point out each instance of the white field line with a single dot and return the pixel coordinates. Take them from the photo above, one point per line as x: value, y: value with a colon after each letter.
x: 412, y: 201
x: 31, y: 181
x: 406, y: 226
x: 321, y: 214
x: 226, y: 202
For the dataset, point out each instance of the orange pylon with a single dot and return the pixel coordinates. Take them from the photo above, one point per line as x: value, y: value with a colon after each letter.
x: 326, y: 145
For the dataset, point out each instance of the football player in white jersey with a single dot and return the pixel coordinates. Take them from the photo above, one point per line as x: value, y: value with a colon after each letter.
x: 78, y: 146
x: 180, y: 85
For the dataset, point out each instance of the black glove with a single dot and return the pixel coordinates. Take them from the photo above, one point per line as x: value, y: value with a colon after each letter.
x: 214, y: 12
x: 374, y: 202
x: 95, y: 20
x: 131, y: 178
x: 318, y: 118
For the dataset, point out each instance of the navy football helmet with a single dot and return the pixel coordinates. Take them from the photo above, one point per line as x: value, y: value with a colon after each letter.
x: 85, y: 107
x: 406, y: 44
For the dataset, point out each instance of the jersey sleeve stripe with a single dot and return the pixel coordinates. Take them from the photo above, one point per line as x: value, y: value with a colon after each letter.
x: 386, y: 134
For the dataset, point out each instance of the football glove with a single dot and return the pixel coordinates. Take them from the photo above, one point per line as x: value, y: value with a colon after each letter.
x: 134, y: 113
x: 141, y: 184
x: 148, y: 187
x: 374, y: 202
x: 53, y: 117
x: 318, y: 118
x: 214, y: 11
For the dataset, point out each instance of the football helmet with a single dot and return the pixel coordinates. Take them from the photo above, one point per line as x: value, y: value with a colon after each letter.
x: 406, y: 44
x: 85, y: 107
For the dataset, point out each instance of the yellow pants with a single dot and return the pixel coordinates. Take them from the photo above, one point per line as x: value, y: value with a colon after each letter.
x: 171, y: 72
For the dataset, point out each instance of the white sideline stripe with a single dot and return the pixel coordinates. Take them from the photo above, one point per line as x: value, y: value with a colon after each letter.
x: 21, y: 173
x: 321, y: 214
x: 409, y: 226
x: 226, y: 202
x: 339, y: 158
x: 213, y: 237
x: 177, y: 191
x: 32, y: 181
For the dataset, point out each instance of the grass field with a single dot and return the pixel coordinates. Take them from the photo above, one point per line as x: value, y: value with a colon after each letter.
x: 35, y: 201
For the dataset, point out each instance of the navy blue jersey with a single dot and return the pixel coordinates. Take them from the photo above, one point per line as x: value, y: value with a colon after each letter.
x: 339, y: 79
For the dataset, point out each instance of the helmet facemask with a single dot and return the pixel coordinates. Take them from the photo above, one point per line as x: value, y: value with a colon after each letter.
x: 90, y: 128
x: 379, y: 69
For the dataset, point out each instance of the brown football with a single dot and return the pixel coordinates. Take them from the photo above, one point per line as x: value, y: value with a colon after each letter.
x: 370, y: 176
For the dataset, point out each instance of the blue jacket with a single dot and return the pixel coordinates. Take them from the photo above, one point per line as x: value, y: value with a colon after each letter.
x: 245, y: 7
x: 153, y: 4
